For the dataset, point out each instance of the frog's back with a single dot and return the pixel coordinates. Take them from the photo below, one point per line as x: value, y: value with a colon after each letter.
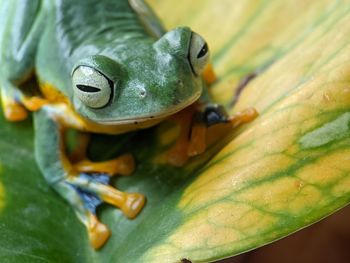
x: 80, y: 28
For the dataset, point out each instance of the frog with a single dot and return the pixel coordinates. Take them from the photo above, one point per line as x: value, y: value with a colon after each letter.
x: 106, y: 67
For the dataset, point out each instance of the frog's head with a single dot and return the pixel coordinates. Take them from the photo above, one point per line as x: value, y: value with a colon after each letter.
x: 145, y: 81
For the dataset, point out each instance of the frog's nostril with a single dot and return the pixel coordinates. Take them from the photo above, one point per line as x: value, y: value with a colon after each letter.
x: 143, y: 93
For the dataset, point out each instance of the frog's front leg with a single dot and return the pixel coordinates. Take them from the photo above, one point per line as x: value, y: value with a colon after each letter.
x: 177, y: 155
x: 15, y: 104
x: 12, y: 108
x: 212, y: 115
x: 84, y: 191
x: 123, y: 165
x: 23, y: 23
x: 194, y: 123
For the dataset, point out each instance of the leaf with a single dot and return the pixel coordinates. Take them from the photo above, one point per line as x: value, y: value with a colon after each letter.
x: 35, y: 225
x: 286, y: 170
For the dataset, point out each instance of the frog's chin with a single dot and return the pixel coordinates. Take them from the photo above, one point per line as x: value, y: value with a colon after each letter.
x: 155, y: 117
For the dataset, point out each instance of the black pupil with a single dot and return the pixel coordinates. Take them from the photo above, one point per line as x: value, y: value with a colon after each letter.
x: 86, y: 88
x: 203, y: 51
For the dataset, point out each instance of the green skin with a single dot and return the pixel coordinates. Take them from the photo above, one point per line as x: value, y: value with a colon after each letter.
x: 151, y: 76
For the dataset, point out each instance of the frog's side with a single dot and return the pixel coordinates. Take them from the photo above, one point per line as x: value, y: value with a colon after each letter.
x: 106, y: 67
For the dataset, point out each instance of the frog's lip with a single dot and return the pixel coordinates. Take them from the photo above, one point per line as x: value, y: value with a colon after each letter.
x: 152, y: 117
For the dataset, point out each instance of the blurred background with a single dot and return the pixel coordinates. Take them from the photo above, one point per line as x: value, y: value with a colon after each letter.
x: 328, y: 241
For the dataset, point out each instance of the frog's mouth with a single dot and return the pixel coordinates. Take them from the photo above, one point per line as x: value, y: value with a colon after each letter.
x: 156, y: 117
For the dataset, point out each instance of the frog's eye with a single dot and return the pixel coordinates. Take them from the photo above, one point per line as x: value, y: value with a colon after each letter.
x: 93, y: 88
x: 198, y: 53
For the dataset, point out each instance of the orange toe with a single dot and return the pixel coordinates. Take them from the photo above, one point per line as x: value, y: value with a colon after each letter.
x: 133, y: 205
x: 15, y: 112
x: 209, y: 74
x: 98, y: 233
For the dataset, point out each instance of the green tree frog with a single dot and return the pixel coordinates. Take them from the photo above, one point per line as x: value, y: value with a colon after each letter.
x: 102, y: 67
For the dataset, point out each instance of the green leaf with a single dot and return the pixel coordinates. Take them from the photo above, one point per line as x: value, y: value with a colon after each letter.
x: 286, y: 170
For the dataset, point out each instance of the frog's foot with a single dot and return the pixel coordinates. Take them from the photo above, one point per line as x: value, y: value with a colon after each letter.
x: 130, y: 203
x: 85, y: 204
x: 242, y: 117
x: 85, y: 192
x: 98, y: 232
x: 123, y: 165
x: 13, y: 110
x: 17, y: 110
x: 94, y: 190
x: 215, y: 114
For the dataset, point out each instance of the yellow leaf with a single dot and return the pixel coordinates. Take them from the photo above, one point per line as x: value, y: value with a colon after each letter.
x: 290, y: 167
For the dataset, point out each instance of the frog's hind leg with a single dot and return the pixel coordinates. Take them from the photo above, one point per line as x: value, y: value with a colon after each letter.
x: 130, y: 203
x: 122, y: 165
x: 84, y: 191
x: 85, y: 208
